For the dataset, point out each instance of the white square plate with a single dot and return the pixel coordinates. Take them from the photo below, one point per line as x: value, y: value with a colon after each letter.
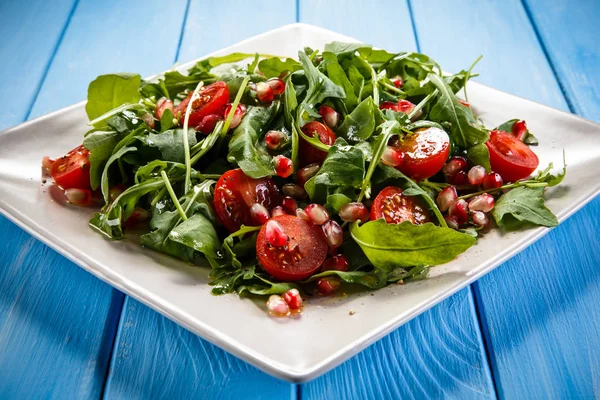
x: 325, y: 335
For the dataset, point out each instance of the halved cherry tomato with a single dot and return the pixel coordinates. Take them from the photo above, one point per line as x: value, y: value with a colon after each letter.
x: 510, y: 157
x: 235, y: 193
x: 309, y: 154
x: 424, y: 152
x: 73, y: 169
x: 211, y: 100
x: 396, y: 208
x: 300, y: 257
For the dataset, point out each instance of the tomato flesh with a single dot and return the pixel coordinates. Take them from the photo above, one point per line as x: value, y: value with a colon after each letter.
x: 300, y: 257
x: 309, y: 154
x: 235, y: 193
x: 396, y: 208
x: 72, y: 171
x: 510, y: 157
x: 424, y: 153
x: 211, y: 100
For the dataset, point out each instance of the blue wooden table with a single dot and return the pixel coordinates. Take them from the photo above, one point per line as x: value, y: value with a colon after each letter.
x: 530, y: 329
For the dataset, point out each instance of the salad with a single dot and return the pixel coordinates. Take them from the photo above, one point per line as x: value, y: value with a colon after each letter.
x: 349, y: 167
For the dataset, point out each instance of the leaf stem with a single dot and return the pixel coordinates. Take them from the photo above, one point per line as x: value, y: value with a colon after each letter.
x: 173, y: 196
x: 186, y: 145
x: 158, y: 196
x: 236, y: 101
x: 528, y: 183
x: 422, y: 104
x: 392, y: 88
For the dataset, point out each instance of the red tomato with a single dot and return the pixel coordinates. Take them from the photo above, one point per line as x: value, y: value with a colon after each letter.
x: 211, y: 100
x: 300, y: 257
x: 510, y: 157
x: 235, y: 193
x: 396, y: 208
x: 309, y: 154
x: 73, y: 169
x: 424, y: 152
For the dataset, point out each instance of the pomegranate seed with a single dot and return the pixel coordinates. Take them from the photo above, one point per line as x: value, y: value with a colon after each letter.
x: 264, y: 92
x: 275, y: 139
x: 283, y: 166
x: 458, y: 210
x: 277, y: 211
x: 238, y: 114
x: 354, y: 212
x: 388, y: 105
x: 480, y: 219
x: 492, y: 180
x: 275, y: 235
x: 116, y: 191
x: 455, y: 165
x: 476, y: 175
x: 333, y: 233
x: 405, y: 106
x: 464, y: 103
x: 289, y: 205
x: 336, y: 263
x: 392, y: 157
x: 259, y: 213
x: 277, y: 306
x: 137, y: 216
x: 306, y: 173
x: 149, y: 120
x: 293, y: 299
x: 328, y: 285
x: 397, y: 81
x: 163, y: 104
x: 300, y: 213
x: 47, y: 163
x: 446, y: 197
x: 330, y: 116
x: 317, y: 213
x: 519, y: 130
x: 294, y: 191
x: 452, y: 222
x: 460, y: 178
x: 79, y: 197
x: 277, y: 85
x: 484, y: 202
x: 208, y: 123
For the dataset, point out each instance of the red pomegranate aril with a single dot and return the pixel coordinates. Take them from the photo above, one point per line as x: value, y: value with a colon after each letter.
x: 336, y: 263
x: 455, y: 165
x: 460, y: 178
x: 275, y: 235
x: 259, y: 213
x: 238, y: 114
x: 306, y: 173
x: 47, y: 163
x: 277, y: 211
x: 480, y: 219
x: 149, y: 120
x: 330, y: 116
x: 476, y: 175
x: 388, y: 105
x: 405, y: 106
x: 277, y: 85
x: 519, y: 130
x: 484, y: 202
x: 116, y: 191
x: 328, y: 285
x: 446, y: 197
x: 293, y: 299
x: 277, y: 306
x: 452, y: 222
x: 354, y: 212
x: 464, y: 103
x: 333, y: 233
x: 294, y: 191
x: 300, y: 213
x: 392, y: 157
x: 163, y: 104
x: 458, y: 210
x: 492, y: 180
x: 208, y: 123
x: 79, y: 197
x: 397, y: 81
x: 289, y: 205
x: 275, y: 139
x: 283, y: 166
x: 317, y: 213
x: 264, y: 92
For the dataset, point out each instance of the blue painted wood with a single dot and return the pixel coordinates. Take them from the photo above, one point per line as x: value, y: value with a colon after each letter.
x: 539, y: 310
x: 429, y: 356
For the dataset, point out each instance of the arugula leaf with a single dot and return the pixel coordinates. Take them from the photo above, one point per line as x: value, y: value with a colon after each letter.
x: 231, y: 249
x: 338, y: 76
x: 167, y: 120
x: 320, y: 86
x: 170, y: 143
x: 110, y: 91
x: 480, y: 155
x: 198, y: 233
x: 343, y: 47
x: 101, y: 145
x: 529, y: 138
x: 550, y: 179
x: 290, y: 102
x: 336, y: 201
x: 373, y: 280
x: 275, y: 67
x: 105, y: 183
x: 525, y: 205
x: 359, y: 125
x: 390, y: 245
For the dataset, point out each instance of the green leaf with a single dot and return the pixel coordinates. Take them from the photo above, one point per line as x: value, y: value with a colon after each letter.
x: 529, y: 138
x: 336, y: 201
x: 390, y: 245
x: 101, y: 145
x: 246, y: 147
x: 549, y: 178
x: 480, y: 155
x: 338, y: 76
x: 371, y: 280
x: 110, y: 91
x: 320, y: 86
x: 359, y: 125
x: 170, y: 143
x: 344, y: 48
x: 275, y: 67
x: 167, y: 120
x: 198, y: 233
x: 525, y: 205
x: 105, y: 185
x: 290, y: 102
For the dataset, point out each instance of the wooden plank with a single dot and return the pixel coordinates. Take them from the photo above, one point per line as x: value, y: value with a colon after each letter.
x: 153, y: 357
x: 539, y: 310
x: 57, y: 322
x: 440, y: 353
